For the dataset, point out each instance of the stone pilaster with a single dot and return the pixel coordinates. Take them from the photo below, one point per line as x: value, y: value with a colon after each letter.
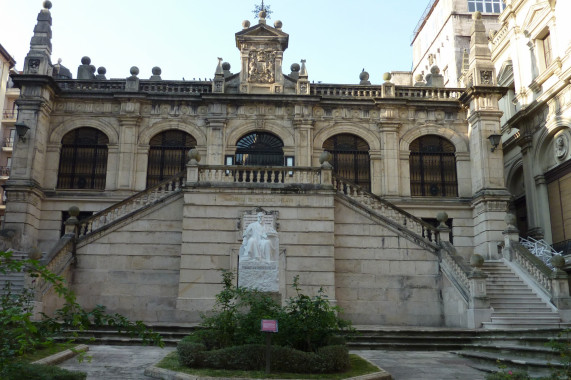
x: 531, y: 197
x: 390, y: 160
x: 128, y: 134
x: 303, y: 138
x: 215, y: 138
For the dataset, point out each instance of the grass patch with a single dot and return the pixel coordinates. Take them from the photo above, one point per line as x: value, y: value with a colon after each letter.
x: 44, y: 352
x: 359, y: 367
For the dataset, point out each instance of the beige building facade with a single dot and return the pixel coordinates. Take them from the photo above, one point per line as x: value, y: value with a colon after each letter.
x: 139, y: 190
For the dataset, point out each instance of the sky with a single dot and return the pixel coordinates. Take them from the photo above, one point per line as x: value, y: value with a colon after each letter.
x: 337, y: 38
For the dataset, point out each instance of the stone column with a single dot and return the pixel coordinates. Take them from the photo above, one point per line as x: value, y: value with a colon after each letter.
x: 534, y: 228
x: 390, y: 154
x: 542, y: 202
x: 378, y: 172
x: 215, y: 141
x: 128, y: 134
x: 303, y: 142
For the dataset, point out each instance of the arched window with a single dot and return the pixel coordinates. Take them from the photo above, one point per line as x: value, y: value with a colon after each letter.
x: 350, y: 158
x: 83, y: 159
x: 168, y: 155
x: 433, y: 167
x: 260, y: 149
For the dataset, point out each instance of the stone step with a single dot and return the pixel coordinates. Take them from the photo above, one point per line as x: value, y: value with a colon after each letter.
x: 505, y: 325
x: 510, y: 314
x: 491, y: 362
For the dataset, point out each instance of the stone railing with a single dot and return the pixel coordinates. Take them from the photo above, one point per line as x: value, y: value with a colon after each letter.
x: 423, y: 233
x: 456, y: 270
x: 175, y: 87
x: 259, y: 175
x: 353, y: 91
x: 499, y: 35
x: 536, y: 268
x: 431, y: 93
x: 91, y: 85
x: 56, y: 261
x: 134, y: 203
x: 153, y: 87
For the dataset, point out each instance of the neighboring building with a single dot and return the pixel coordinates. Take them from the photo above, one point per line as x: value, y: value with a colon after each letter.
x: 158, y: 222
x: 8, y: 96
x: 442, y: 36
x: 532, y: 54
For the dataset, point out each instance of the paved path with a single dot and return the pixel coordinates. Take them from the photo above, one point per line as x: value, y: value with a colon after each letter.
x: 423, y: 365
x: 129, y: 363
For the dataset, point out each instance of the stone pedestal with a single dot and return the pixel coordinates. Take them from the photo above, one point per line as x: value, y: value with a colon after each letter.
x: 263, y: 276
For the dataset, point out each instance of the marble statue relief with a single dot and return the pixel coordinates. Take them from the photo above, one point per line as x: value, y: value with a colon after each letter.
x: 260, y: 242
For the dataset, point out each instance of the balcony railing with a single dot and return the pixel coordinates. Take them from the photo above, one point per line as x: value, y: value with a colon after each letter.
x: 8, y: 143
x: 4, y: 171
x: 9, y: 115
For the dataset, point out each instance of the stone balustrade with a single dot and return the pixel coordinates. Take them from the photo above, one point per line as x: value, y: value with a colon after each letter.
x: 152, y: 87
x: 432, y: 93
x: 56, y: 261
x: 457, y: 272
x: 130, y: 205
x: 256, y: 175
x: 353, y: 91
x: 536, y: 268
x: 423, y: 232
x: 359, y: 91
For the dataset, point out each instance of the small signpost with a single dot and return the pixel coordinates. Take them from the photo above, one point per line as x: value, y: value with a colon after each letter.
x: 269, y: 326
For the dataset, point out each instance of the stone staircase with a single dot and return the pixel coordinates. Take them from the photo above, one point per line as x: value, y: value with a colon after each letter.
x: 16, y: 279
x: 514, y: 303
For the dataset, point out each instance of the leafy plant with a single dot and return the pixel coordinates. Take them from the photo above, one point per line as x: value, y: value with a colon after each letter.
x: 20, y: 334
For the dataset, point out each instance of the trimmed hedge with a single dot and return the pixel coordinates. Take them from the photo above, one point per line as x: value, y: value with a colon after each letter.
x: 252, y: 357
x: 39, y: 372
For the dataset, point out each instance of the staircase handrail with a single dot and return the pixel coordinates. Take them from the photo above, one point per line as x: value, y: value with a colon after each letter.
x: 266, y: 175
x: 533, y: 265
x: 57, y: 260
x: 456, y: 269
x: 127, y: 206
x: 405, y: 221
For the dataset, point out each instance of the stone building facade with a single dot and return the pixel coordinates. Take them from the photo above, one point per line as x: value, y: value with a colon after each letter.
x: 162, y: 175
x: 531, y: 53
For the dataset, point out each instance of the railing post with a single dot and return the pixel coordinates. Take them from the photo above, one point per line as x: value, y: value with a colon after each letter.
x: 479, y: 309
x: 443, y: 229
x: 560, y: 287
x: 72, y: 223
x: 326, y: 170
x: 192, y: 167
x: 511, y: 234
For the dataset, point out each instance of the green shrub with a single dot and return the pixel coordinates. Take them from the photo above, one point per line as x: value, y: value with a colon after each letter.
x: 508, y: 375
x: 190, y: 354
x: 335, y: 358
x: 40, y: 372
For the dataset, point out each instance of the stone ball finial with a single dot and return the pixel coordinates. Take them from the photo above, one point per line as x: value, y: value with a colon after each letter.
x: 262, y: 14
x: 245, y: 24
x: 510, y: 219
x: 47, y: 4
x: 226, y: 66
x: 194, y: 156
x: 101, y: 70
x: 435, y: 70
x: 387, y: 77
x: 418, y: 77
x: 325, y: 157
x: 364, y: 75
x: 295, y: 67
x: 156, y: 70
x: 477, y: 15
x: 134, y: 71
x: 442, y: 217
x: 73, y: 211
x: 34, y: 253
x: 85, y: 60
x: 476, y: 261
x: 278, y: 24
x: 92, y: 68
x: 558, y: 261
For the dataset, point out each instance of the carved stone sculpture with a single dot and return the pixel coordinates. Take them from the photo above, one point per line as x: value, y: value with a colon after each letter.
x: 260, y: 242
x: 261, y: 66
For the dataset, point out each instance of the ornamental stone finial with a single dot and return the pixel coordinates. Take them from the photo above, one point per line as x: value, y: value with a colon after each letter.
x: 194, y: 156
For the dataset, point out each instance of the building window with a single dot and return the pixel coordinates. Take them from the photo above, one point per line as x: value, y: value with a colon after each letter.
x: 433, y: 167
x: 83, y: 160
x: 547, y: 52
x: 168, y: 155
x: 259, y: 149
x: 488, y: 6
x: 350, y: 158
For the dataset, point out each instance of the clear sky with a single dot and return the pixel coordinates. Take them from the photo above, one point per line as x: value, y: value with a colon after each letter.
x: 338, y: 38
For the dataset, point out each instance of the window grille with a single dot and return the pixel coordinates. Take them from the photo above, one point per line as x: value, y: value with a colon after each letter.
x: 488, y: 6
x: 350, y: 158
x: 259, y: 149
x: 83, y: 159
x: 168, y: 155
x: 433, y: 167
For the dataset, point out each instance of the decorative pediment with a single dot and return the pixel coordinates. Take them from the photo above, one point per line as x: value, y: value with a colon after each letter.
x: 535, y: 14
x: 262, y: 33
x: 506, y: 74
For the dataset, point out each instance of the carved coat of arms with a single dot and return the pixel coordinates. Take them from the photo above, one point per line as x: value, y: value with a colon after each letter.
x: 261, y: 66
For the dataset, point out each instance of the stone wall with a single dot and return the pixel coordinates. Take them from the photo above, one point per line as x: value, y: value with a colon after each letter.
x: 134, y: 269
x: 382, y: 278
